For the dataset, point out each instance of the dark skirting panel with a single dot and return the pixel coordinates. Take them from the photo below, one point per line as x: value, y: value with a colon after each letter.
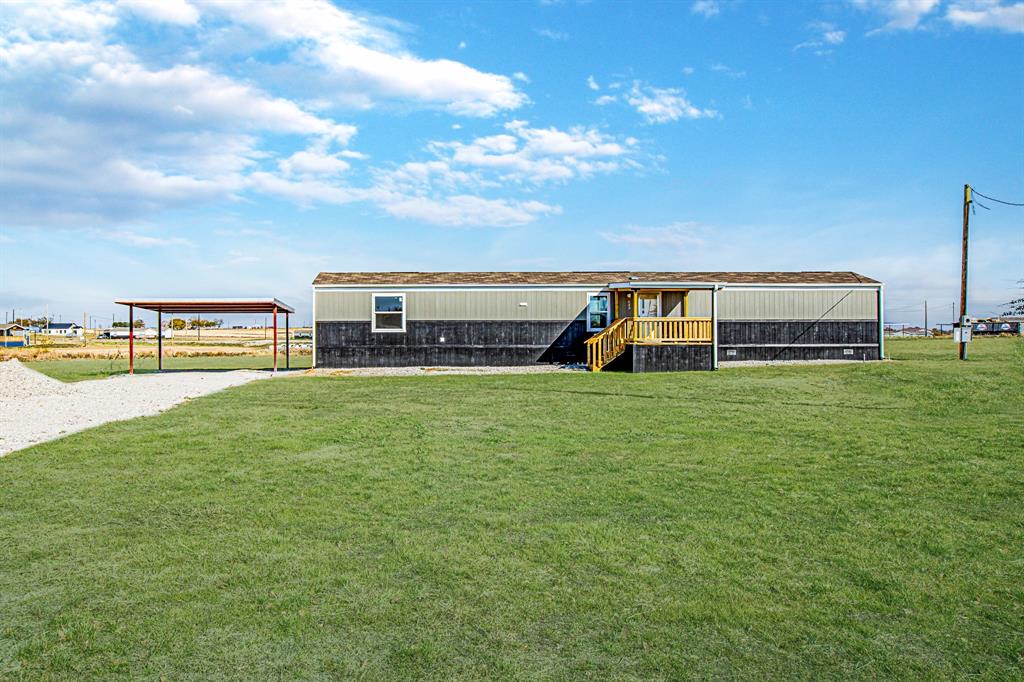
x: 465, y: 344
x: 662, y: 358
x: 725, y: 353
x: 798, y: 340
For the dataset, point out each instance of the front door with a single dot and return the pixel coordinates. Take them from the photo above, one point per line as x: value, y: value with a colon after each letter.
x: 648, y: 305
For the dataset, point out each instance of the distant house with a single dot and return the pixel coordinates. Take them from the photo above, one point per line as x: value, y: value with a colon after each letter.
x: 631, y: 321
x: 62, y: 329
x: 13, y: 335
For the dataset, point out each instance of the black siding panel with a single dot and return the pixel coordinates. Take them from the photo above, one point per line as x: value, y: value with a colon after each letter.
x: 763, y: 332
x: 667, y: 358
x: 466, y: 344
x: 797, y: 340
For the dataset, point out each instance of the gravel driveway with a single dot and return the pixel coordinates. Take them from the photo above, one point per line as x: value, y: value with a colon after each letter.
x: 35, y: 408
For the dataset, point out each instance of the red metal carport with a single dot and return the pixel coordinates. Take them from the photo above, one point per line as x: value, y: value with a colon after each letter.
x: 186, y: 306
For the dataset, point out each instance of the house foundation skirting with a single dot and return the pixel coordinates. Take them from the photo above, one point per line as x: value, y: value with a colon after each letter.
x: 512, y: 342
x: 662, y: 358
x: 451, y: 343
x: 798, y: 340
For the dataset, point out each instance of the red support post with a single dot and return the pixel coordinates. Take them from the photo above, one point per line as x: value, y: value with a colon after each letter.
x: 131, y: 339
x: 275, y: 338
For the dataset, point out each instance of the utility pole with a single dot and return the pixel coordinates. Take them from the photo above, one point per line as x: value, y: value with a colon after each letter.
x: 963, y: 272
x: 926, y: 319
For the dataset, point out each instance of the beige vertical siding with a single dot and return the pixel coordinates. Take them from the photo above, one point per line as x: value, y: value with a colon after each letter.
x: 700, y: 303
x: 354, y: 306
x: 797, y: 304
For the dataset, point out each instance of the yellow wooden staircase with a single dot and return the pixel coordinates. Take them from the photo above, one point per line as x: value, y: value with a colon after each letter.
x: 609, y: 344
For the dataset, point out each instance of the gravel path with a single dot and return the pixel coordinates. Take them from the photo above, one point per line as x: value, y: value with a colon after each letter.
x: 35, y: 408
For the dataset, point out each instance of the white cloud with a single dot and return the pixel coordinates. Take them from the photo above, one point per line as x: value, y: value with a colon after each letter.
x: 689, y: 70
x: 592, y: 84
x: 434, y: 190
x: 728, y: 71
x: 365, y: 62
x: 462, y: 44
x: 551, y: 34
x: 521, y: 77
x: 705, y: 8
x: 313, y: 162
x: 605, y: 99
x: 826, y: 37
x: 118, y: 140
x: 676, y: 236
x: 468, y: 210
x: 143, y: 240
x: 121, y: 138
x: 166, y: 11
x: 537, y: 155
x: 901, y: 14
x: 662, y: 105
x: 987, y: 14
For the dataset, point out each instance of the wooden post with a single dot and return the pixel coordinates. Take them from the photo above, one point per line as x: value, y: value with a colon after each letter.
x: 159, y: 341
x: 275, y: 338
x: 963, y: 271
x: 714, y: 327
x: 131, y: 339
x: 287, y: 343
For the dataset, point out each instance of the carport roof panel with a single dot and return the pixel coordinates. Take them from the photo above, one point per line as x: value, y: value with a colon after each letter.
x: 208, y: 305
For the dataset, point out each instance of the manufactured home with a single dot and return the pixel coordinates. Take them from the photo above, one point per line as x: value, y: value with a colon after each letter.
x: 62, y: 329
x: 631, y: 321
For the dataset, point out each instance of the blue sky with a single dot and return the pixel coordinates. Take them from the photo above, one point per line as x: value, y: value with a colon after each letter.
x: 205, y: 148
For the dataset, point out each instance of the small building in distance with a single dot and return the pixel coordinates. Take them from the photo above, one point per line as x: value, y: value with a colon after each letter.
x: 632, y: 321
x: 13, y: 335
x: 62, y: 329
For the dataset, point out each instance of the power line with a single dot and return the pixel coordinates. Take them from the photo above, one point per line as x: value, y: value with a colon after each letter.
x: 1000, y: 201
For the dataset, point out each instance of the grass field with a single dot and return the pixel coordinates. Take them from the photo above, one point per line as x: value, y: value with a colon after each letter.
x: 842, y: 521
x: 77, y: 370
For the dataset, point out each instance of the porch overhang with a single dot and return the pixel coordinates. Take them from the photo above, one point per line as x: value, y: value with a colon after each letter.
x: 665, y: 285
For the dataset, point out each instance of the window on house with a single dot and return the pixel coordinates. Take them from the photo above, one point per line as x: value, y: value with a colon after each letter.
x: 598, y: 312
x: 389, y: 312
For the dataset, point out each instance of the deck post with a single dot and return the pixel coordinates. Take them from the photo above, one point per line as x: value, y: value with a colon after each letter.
x: 131, y: 339
x: 159, y: 341
x: 714, y: 327
x: 275, y: 339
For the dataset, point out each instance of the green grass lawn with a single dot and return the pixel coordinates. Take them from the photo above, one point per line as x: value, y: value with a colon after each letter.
x: 840, y: 521
x: 78, y: 370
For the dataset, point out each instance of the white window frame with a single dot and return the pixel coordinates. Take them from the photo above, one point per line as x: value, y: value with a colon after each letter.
x: 373, y: 312
x: 607, y: 296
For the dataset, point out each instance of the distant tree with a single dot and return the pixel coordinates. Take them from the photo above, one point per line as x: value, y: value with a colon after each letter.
x: 120, y: 324
x: 139, y: 324
x: 29, y: 322
x: 1016, y: 306
x: 177, y: 324
x: 198, y: 322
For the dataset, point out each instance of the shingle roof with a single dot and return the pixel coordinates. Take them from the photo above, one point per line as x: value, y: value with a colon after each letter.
x: 585, y: 277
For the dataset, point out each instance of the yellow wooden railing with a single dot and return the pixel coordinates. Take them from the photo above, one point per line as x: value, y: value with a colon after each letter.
x: 607, y: 345
x: 604, y: 347
x: 688, y: 330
